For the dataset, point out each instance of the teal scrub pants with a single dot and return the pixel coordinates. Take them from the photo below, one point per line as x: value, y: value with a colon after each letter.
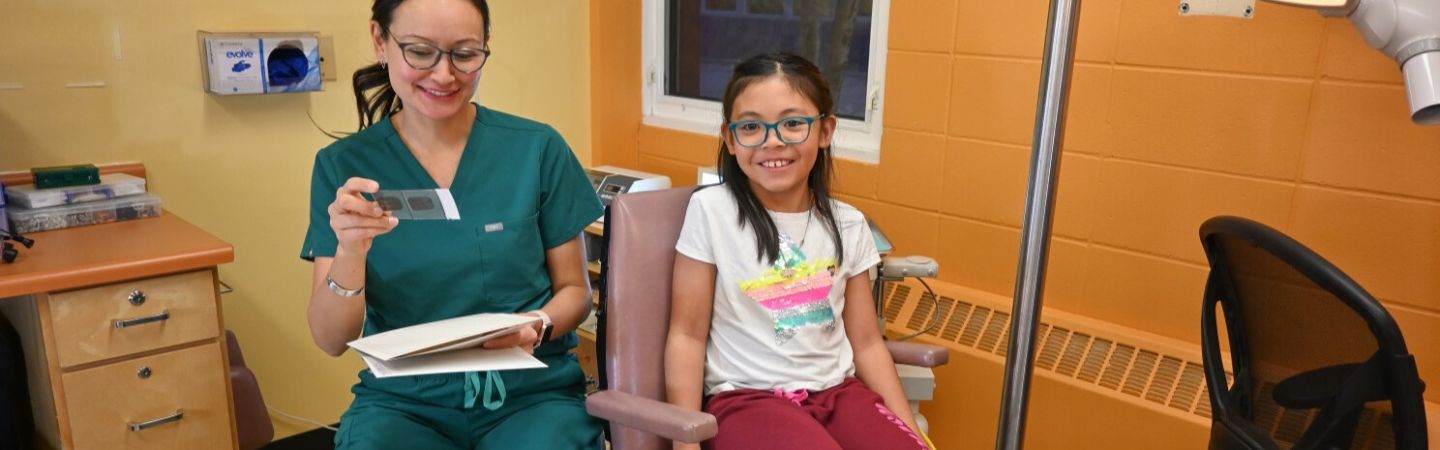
x: 539, y: 409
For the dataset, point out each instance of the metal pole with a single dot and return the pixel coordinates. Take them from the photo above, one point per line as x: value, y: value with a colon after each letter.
x: 1039, y: 204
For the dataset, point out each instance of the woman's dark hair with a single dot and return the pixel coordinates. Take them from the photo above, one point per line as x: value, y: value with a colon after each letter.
x: 805, y: 78
x: 374, y: 98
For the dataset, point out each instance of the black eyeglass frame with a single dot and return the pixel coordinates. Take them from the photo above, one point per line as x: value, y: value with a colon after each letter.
x: 439, y: 53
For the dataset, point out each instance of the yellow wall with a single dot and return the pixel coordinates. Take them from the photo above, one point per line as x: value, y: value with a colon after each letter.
x: 240, y: 166
x: 1288, y: 119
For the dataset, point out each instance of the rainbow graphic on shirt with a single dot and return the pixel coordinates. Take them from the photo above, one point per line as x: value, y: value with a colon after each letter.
x: 796, y: 292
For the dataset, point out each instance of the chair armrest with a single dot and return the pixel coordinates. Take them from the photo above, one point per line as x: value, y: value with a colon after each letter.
x: 923, y: 355
x: 662, y: 419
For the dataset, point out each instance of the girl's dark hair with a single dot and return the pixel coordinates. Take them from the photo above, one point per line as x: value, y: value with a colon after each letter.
x: 805, y: 78
x: 374, y: 98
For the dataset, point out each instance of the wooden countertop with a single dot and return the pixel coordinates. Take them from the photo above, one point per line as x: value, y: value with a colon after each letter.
x: 97, y: 254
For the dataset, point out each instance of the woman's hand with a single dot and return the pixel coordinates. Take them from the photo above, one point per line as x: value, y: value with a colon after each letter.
x: 357, y: 221
x: 525, y: 338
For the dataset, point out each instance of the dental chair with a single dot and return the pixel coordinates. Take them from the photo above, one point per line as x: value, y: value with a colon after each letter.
x: 641, y: 230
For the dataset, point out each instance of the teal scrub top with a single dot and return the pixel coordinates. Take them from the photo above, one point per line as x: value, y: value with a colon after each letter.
x: 519, y: 190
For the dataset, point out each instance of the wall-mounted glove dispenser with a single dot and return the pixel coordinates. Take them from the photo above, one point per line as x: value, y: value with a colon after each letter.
x: 260, y: 63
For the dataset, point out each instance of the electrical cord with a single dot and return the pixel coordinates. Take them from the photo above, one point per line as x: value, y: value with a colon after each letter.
x: 9, y: 253
x: 302, y: 419
x: 337, y: 135
x: 13, y: 236
x: 934, y: 313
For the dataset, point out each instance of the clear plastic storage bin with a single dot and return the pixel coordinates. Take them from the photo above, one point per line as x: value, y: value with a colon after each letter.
x: 111, y: 185
x: 27, y: 220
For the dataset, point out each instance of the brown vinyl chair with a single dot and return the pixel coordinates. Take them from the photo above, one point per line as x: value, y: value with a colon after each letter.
x: 641, y: 231
x: 252, y: 421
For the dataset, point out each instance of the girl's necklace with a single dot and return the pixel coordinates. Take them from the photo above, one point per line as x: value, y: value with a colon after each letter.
x: 806, y: 233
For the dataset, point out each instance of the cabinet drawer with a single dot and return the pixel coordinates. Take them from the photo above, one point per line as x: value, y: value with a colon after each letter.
x: 102, y: 322
x: 105, y: 403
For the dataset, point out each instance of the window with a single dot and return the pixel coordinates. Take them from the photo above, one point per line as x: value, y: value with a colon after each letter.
x: 691, y: 46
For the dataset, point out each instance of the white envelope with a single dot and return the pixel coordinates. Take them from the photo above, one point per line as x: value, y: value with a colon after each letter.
x: 446, y: 346
x: 466, y: 360
x: 440, y: 336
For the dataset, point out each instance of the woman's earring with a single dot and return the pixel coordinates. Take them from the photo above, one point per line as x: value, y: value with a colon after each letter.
x: 383, y: 65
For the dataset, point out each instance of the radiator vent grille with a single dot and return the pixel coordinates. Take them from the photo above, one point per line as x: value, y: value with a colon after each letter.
x: 997, y: 328
x: 1115, y: 363
x: 898, y: 294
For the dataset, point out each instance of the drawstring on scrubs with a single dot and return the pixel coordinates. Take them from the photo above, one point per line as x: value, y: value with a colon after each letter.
x: 493, y: 383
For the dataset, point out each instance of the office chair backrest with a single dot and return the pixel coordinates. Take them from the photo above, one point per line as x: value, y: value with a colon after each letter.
x: 1315, y: 358
x: 642, y: 229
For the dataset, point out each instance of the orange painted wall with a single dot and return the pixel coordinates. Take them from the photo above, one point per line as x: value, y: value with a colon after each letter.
x: 1288, y: 119
x: 614, y: 82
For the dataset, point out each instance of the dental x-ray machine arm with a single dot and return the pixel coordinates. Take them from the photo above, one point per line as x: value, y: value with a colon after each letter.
x: 1408, y: 31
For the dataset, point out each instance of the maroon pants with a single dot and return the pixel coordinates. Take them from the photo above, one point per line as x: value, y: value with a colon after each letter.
x: 846, y: 417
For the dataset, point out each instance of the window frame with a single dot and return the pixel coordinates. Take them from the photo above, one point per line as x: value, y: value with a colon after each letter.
x: 857, y: 140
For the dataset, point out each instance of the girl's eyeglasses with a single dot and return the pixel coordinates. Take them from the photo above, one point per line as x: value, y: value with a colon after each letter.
x: 790, y: 130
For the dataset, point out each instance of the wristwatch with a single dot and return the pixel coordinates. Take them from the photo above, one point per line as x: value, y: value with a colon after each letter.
x: 546, y: 327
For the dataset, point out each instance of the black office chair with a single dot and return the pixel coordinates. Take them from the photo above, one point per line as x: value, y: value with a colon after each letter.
x: 1317, y: 362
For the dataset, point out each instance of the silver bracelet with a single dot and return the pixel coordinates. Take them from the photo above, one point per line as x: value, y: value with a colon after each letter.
x: 341, y: 291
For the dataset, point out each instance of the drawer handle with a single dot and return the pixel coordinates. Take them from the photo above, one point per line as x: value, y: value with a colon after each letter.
x: 124, y: 323
x: 141, y: 426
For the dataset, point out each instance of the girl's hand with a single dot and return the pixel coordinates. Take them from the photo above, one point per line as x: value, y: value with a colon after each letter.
x: 357, y: 221
x: 524, y: 338
x: 686, y: 446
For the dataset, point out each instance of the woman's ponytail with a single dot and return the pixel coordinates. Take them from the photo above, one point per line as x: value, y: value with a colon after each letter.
x: 374, y: 98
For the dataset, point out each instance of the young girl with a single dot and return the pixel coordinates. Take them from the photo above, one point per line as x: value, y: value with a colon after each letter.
x: 773, y: 322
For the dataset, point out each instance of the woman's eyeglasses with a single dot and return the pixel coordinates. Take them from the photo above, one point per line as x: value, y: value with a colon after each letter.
x: 790, y: 130
x: 423, y: 56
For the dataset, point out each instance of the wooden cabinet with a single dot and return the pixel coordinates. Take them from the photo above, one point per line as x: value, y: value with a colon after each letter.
x: 174, y: 399
x: 125, y: 318
x: 589, y: 362
x: 585, y: 352
x: 124, y: 349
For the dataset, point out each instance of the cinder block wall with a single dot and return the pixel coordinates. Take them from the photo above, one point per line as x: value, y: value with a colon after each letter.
x: 1288, y: 119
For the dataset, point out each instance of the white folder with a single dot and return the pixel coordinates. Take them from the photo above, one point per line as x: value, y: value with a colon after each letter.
x: 446, y: 346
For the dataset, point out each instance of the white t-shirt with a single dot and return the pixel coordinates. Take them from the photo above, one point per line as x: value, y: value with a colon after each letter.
x: 776, y: 325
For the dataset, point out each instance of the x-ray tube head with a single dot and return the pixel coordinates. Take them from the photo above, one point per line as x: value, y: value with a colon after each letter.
x: 1408, y: 31
x: 1422, y: 80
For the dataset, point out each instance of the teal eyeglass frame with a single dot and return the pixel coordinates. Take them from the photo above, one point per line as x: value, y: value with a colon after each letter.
x: 774, y: 126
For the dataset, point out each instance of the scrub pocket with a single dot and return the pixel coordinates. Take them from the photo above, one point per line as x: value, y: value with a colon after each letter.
x: 513, y: 260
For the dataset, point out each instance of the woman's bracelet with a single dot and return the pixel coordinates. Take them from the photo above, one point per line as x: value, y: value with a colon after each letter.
x: 340, y: 290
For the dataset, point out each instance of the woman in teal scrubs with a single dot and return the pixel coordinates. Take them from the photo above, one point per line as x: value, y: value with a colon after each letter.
x: 523, y: 200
